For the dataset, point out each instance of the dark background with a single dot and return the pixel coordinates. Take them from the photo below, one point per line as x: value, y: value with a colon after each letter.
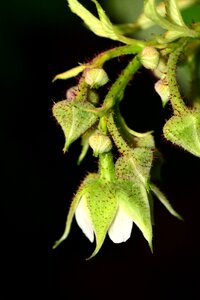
x: 38, y: 40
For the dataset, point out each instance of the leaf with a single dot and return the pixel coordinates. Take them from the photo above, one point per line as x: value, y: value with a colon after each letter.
x: 184, y: 131
x: 74, y: 120
x: 164, y: 201
x: 134, y: 200
x: 102, y: 27
x: 151, y: 12
x: 173, y: 12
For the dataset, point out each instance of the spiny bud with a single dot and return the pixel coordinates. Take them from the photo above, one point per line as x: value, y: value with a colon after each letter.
x: 96, y: 77
x: 100, y: 143
x: 149, y: 57
x: 162, y: 88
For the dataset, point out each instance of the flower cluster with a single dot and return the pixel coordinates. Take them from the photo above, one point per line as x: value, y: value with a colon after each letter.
x: 120, y: 193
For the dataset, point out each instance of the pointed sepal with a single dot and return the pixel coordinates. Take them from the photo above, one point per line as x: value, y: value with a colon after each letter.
x: 74, y: 119
x: 184, y: 131
x: 133, y: 199
x: 102, y: 206
x: 163, y: 199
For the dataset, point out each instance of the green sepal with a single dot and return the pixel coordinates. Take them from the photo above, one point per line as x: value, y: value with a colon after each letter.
x: 85, y: 144
x: 133, y: 197
x: 70, y: 73
x: 102, y: 206
x: 157, y: 192
x: 184, y: 131
x: 90, y: 178
x: 74, y: 119
x: 135, y: 165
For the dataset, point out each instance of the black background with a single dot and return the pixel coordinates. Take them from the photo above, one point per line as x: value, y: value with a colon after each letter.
x: 38, y: 40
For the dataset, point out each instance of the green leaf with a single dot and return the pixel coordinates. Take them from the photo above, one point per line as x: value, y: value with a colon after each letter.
x: 133, y: 198
x: 102, y: 206
x: 151, y: 12
x: 164, y: 201
x: 175, y: 29
x: 73, y: 119
x: 173, y: 12
x: 184, y: 131
x: 101, y: 27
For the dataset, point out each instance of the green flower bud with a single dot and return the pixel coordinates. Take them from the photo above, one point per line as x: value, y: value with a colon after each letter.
x: 93, y: 97
x: 96, y: 77
x: 184, y: 131
x: 162, y: 88
x: 149, y: 58
x: 161, y: 69
x: 74, y: 119
x: 100, y: 143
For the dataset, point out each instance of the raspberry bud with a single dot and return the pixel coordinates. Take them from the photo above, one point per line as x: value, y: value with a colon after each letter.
x: 96, y: 77
x: 149, y: 58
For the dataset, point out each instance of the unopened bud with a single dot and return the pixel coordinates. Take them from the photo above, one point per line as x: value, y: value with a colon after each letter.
x: 100, y: 143
x: 93, y: 97
x: 149, y: 57
x: 72, y: 92
x: 96, y: 77
x: 162, y: 88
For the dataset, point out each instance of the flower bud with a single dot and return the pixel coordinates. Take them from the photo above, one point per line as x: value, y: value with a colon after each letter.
x: 184, y: 131
x: 162, y: 88
x: 72, y: 92
x: 100, y: 143
x: 149, y: 58
x: 93, y: 97
x: 74, y: 120
x: 161, y: 69
x: 96, y: 77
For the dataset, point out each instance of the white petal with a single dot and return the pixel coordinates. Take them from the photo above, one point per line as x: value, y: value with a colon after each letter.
x: 83, y: 219
x: 121, y: 227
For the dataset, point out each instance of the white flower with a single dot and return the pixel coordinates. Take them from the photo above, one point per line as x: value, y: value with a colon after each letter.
x: 104, y: 207
x: 119, y: 230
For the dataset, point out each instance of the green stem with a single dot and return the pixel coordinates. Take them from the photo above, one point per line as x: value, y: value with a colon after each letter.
x: 195, y: 78
x: 99, y: 60
x: 116, y: 92
x: 130, y: 136
x: 106, y: 167
x: 82, y: 90
x: 114, y: 131
x: 178, y: 105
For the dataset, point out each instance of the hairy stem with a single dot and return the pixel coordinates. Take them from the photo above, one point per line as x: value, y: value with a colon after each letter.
x: 176, y: 100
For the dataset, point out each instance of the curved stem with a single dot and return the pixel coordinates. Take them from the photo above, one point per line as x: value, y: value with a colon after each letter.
x: 178, y: 105
x: 116, y: 91
x: 114, y: 131
x: 99, y: 60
